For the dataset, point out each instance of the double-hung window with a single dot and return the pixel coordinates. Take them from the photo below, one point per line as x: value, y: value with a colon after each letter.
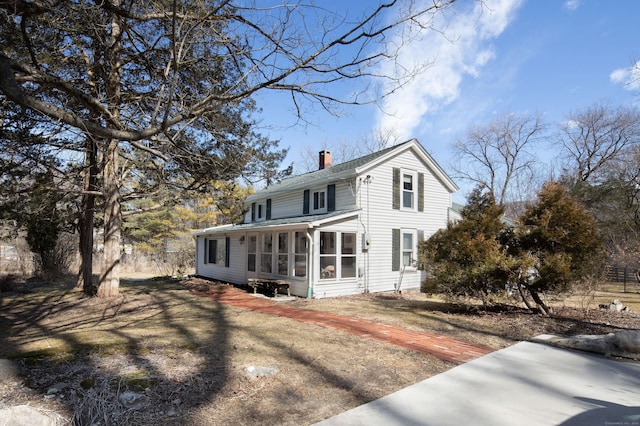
x: 409, y: 248
x: 319, y: 198
x: 409, y: 190
x: 404, y: 249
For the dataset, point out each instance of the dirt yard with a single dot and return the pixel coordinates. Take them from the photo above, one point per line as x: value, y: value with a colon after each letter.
x: 159, y: 354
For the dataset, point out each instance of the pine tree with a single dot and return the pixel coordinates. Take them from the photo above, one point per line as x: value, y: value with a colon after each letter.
x: 562, y: 238
x: 468, y: 258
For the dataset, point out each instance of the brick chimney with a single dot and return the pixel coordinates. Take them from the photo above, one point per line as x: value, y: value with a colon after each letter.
x: 324, y: 159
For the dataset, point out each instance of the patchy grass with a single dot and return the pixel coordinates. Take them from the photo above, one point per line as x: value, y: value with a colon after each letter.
x: 497, y: 327
x: 605, y: 294
x: 186, y: 355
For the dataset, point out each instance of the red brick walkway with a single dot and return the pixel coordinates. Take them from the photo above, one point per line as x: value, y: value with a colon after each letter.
x: 443, y: 347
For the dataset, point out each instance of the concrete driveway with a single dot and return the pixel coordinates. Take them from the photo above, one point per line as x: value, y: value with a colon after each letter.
x: 526, y: 384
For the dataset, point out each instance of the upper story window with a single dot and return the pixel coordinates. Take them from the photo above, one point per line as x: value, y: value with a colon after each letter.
x: 319, y: 201
x: 319, y: 198
x: 261, y: 211
x: 408, y: 190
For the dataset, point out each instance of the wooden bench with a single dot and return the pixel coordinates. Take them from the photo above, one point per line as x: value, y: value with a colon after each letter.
x: 269, y: 285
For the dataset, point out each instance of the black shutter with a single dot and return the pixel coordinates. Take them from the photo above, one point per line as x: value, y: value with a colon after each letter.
x: 268, y: 208
x: 206, y: 251
x: 420, y: 192
x: 305, y: 201
x: 253, y: 212
x: 213, y: 250
x: 331, y: 197
x: 396, y: 188
x: 395, y: 250
x: 420, y: 241
x: 227, y: 244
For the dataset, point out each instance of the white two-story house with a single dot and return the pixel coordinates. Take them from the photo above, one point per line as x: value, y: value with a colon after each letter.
x: 344, y: 229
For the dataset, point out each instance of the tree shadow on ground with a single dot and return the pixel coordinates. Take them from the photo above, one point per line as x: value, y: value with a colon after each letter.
x: 161, y: 355
x: 77, y: 370
x: 522, y: 324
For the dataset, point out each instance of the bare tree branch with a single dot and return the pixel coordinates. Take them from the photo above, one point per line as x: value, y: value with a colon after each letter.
x: 499, y: 155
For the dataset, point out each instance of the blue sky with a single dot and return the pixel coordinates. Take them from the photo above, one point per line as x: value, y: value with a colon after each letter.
x: 523, y: 56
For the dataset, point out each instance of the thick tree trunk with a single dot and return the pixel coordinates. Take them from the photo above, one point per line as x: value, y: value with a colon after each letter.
x: 85, y: 277
x: 110, y: 275
x: 544, y: 309
x: 524, y: 297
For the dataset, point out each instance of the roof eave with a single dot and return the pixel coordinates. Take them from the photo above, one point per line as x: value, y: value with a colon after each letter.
x: 226, y: 229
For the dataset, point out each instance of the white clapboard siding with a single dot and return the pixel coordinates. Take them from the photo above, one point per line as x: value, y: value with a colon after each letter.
x: 367, y: 200
x: 383, y: 218
x: 289, y: 204
x: 236, y: 271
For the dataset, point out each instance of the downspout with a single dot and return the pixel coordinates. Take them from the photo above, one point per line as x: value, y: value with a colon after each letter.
x: 365, y: 252
x: 195, y: 239
x: 368, y: 182
x: 310, y: 267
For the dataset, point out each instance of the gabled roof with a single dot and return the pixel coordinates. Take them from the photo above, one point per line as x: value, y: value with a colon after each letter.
x: 354, y: 168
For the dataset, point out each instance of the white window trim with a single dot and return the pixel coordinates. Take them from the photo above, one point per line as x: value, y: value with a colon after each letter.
x: 217, y: 258
x: 414, y: 252
x: 414, y: 191
x: 312, y: 203
x: 261, y: 212
x: 336, y: 274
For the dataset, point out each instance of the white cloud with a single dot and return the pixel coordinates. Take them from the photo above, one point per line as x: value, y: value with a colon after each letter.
x: 572, y: 5
x: 629, y: 78
x: 460, y: 51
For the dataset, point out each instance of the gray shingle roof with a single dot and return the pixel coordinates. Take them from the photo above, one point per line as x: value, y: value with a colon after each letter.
x: 347, y: 168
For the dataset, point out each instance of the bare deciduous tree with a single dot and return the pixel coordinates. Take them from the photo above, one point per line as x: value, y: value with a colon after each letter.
x: 499, y: 155
x: 168, y: 84
x: 596, y: 137
x: 346, y: 150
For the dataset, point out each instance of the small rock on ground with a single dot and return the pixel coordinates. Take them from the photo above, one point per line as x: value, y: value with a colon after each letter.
x: 623, y: 344
x: 23, y: 415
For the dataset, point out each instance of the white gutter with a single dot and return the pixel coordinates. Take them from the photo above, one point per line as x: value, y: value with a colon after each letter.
x: 255, y: 226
